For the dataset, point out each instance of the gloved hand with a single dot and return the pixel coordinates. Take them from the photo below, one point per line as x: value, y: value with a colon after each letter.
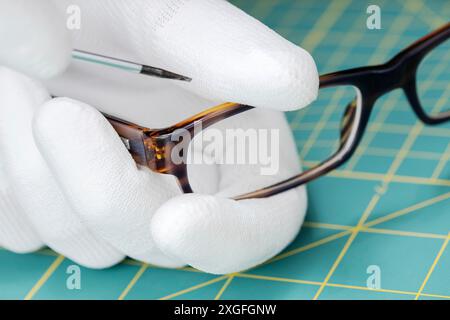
x: 67, y: 181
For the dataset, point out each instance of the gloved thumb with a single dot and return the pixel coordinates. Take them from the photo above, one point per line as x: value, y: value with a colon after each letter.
x: 34, y: 38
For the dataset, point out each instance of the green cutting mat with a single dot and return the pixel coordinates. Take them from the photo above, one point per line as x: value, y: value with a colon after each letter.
x: 385, y: 208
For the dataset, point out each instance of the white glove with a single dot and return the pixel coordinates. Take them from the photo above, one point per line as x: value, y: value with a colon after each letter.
x: 80, y: 192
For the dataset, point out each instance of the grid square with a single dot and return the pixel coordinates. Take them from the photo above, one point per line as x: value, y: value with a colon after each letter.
x: 346, y: 199
x: 374, y: 164
x: 388, y: 140
x: 430, y: 144
x: 402, y: 117
x: 417, y: 167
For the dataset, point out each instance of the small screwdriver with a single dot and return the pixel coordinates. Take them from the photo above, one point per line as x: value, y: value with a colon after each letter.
x: 127, y: 65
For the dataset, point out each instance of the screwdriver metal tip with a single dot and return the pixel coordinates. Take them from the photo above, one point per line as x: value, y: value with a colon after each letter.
x: 161, y: 73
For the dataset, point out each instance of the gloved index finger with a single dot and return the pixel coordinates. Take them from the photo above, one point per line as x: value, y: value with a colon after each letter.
x: 229, y: 55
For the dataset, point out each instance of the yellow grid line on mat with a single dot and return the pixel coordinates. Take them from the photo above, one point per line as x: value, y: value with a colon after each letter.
x: 321, y: 225
x: 387, y: 152
x: 433, y: 266
x: 403, y: 233
x: 133, y: 281
x: 47, y: 274
x: 261, y: 277
x: 225, y: 286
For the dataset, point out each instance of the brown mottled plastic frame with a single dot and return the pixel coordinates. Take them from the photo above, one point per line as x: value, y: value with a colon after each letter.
x: 152, y: 148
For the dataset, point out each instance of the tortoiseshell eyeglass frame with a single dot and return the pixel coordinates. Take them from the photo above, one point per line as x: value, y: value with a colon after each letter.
x: 153, y: 147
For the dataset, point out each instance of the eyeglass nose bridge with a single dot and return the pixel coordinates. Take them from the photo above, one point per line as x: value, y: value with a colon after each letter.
x: 376, y: 81
x: 385, y: 78
x: 398, y: 75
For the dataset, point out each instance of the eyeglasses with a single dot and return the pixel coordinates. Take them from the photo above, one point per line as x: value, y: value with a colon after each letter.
x: 422, y: 71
